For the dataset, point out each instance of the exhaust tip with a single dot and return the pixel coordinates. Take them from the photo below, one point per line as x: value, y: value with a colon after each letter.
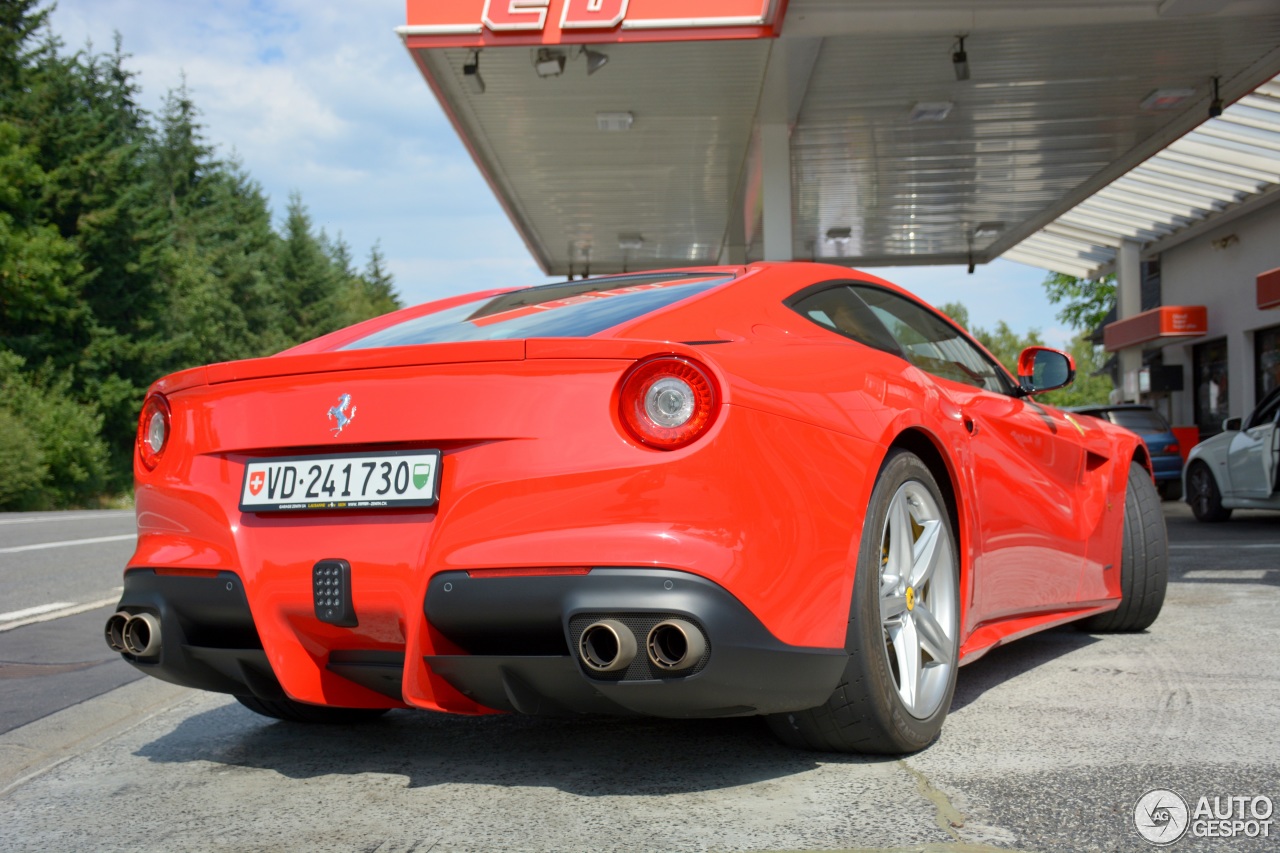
x: 675, y: 645
x: 142, y: 635
x: 114, y: 630
x: 607, y: 646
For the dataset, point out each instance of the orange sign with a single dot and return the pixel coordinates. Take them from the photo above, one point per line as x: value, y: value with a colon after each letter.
x: 484, y: 23
x: 1163, y: 325
x: 1269, y: 289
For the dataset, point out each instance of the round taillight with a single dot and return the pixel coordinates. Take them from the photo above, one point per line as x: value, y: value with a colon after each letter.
x: 667, y: 402
x: 153, y: 430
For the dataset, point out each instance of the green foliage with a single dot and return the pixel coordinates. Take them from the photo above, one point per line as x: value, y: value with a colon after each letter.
x: 128, y: 250
x: 52, y: 446
x: 1086, y: 301
x: 1005, y: 344
x: 39, y: 268
x: 1088, y: 388
x: 1002, y: 341
x: 22, y: 463
x: 956, y: 311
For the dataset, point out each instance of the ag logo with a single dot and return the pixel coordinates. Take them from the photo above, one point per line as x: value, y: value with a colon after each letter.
x: 1161, y: 816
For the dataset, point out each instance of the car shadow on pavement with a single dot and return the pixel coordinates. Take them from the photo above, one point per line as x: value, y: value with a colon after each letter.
x: 586, y: 756
x: 1005, y: 663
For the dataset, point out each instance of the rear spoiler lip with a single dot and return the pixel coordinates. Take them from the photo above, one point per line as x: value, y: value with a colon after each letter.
x: 465, y: 352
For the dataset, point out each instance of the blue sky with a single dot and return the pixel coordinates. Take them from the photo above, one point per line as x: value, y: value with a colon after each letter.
x: 319, y: 96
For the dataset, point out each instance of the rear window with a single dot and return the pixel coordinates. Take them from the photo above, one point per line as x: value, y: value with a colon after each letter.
x: 568, y: 310
x: 1141, y: 421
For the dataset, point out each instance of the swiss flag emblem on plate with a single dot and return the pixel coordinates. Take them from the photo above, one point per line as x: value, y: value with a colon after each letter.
x: 255, y: 482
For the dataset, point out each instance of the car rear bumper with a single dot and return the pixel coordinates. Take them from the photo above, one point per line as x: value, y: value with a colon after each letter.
x: 1167, y: 467
x: 513, y: 643
x: 208, y: 639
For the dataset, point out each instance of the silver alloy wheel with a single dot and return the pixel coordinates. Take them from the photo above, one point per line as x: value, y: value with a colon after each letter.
x: 1200, y: 495
x: 919, y: 604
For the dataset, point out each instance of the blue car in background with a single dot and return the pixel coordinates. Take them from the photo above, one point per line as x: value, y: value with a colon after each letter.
x: 1162, y: 444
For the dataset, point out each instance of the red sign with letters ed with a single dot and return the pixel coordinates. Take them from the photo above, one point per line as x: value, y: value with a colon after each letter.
x: 480, y: 23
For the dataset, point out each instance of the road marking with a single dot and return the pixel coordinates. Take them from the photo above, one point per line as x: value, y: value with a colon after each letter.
x: 66, y: 543
x: 1224, y: 546
x: 84, y: 516
x: 58, y: 614
x: 34, y: 611
x: 1227, y: 574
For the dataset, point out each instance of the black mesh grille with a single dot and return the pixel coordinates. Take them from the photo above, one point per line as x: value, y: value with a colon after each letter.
x: 641, y: 668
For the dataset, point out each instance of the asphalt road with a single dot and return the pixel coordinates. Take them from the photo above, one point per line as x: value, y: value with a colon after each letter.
x: 1050, y: 744
x: 59, y: 577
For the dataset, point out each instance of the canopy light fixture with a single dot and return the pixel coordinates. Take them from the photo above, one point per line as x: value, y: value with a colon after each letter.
x: 1215, y: 106
x: 1165, y: 99
x: 471, y: 74
x: 630, y: 242
x: 614, y: 122
x: 988, y: 229
x: 960, y: 60
x: 595, y: 59
x: 548, y: 62
x: 930, y: 111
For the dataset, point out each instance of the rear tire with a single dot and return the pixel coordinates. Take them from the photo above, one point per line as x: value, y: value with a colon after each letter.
x: 1144, y: 560
x: 298, y: 712
x: 903, y: 635
x: 1203, y: 494
x: 1170, y: 490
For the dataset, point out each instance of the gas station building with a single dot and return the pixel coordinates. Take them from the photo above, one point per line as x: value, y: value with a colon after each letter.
x: 1087, y: 137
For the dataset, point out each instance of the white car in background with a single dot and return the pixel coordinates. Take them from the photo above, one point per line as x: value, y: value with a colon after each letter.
x: 1237, y: 468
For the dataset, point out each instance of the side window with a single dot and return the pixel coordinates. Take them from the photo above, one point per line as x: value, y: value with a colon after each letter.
x: 841, y: 310
x: 933, y: 345
x: 1266, y: 411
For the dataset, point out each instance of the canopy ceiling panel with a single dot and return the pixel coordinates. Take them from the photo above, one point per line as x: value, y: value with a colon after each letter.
x: 1044, y: 111
x: 573, y: 189
x: 1224, y: 167
x: 1051, y: 115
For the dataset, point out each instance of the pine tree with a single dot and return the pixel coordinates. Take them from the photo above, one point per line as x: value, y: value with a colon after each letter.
x: 40, y: 309
x: 379, y: 285
x: 20, y: 22
x: 129, y: 250
x: 308, y: 280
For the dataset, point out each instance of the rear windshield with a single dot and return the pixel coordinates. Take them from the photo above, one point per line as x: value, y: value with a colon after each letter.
x: 568, y: 310
x: 1142, y: 421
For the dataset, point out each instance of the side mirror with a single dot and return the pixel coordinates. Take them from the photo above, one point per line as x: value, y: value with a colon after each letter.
x: 1232, y: 424
x: 1043, y: 369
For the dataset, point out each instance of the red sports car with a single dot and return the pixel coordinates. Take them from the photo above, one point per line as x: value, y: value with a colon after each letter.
x: 782, y: 489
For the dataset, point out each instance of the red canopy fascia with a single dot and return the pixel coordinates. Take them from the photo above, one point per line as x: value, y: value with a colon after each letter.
x: 1167, y: 325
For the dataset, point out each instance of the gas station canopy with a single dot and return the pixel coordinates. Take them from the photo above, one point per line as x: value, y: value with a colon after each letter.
x: 633, y: 134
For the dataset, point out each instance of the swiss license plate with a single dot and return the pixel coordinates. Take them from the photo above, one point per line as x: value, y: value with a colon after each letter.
x: 352, y: 481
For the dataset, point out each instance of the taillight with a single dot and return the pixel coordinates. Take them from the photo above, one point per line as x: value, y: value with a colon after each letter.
x: 667, y: 402
x: 153, y: 430
x: 1173, y: 448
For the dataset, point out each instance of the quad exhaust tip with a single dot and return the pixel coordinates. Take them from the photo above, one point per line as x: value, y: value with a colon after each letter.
x: 675, y: 645
x: 136, y: 634
x: 115, y: 630
x: 607, y: 646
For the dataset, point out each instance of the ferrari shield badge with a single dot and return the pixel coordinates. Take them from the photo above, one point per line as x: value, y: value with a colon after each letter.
x: 339, y: 413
